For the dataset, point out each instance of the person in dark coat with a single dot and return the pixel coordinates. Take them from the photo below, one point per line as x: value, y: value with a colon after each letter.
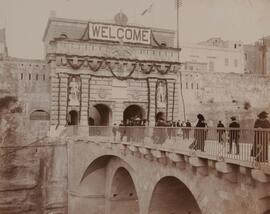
x: 220, y: 131
x: 188, y: 125
x: 200, y: 133
x: 161, y: 132
x: 122, y: 130
x: 114, y: 131
x: 234, y: 135
x: 260, y: 146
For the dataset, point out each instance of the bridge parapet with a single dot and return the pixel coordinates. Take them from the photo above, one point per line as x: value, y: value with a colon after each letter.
x: 229, y: 151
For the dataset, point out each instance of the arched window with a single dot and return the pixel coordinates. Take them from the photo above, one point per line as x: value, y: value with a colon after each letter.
x: 39, y: 115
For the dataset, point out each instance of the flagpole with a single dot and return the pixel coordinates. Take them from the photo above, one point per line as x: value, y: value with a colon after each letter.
x: 177, y: 28
x: 178, y: 56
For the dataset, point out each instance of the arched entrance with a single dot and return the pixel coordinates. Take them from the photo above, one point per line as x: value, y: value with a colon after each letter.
x: 160, y: 115
x: 73, y: 118
x: 124, y: 197
x: 91, y: 121
x: 172, y: 196
x: 133, y: 112
x: 100, y: 115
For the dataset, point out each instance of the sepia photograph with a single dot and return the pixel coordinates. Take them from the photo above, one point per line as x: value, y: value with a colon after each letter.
x: 134, y: 106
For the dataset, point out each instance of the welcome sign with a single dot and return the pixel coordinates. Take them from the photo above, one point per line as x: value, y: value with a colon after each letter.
x: 119, y: 33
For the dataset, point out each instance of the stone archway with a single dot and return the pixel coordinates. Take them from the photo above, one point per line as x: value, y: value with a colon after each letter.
x: 124, y: 198
x: 106, y: 184
x: 172, y: 196
x: 160, y: 115
x: 73, y: 118
x: 100, y: 115
x: 133, y: 112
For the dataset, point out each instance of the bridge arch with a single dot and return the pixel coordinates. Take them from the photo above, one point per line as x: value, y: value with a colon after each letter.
x: 171, y: 195
x: 123, y: 195
x: 107, y: 183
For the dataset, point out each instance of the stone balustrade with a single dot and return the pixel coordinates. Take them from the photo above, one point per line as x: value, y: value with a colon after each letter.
x: 176, y: 145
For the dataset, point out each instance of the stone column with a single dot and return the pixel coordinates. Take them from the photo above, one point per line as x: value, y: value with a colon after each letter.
x: 152, y: 101
x: 63, y: 99
x: 172, y: 98
x: 54, y: 99
x: 84, y: 99
x: 118, y: 110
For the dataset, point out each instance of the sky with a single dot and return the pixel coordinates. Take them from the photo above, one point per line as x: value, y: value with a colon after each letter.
x: 246, y: 20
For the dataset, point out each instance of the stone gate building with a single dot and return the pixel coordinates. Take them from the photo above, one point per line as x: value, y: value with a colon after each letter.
x: 103, y: 73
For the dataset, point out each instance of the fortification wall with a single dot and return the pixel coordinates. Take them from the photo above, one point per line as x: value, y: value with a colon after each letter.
x: 219, y: 96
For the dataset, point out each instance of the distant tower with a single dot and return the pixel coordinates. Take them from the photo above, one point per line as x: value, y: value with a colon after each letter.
x: 120, y: 18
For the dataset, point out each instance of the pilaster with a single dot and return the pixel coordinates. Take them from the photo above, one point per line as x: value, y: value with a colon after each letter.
x: 152, y: 101
x: 54, y: 99
x: 63, y: 99
x: 84, y: 99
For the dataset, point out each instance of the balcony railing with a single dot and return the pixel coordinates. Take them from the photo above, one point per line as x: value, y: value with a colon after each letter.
x: 247, y: 147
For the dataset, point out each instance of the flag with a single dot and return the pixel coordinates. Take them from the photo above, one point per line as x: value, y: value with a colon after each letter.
x: 178, y: 3
x: 148, y: 10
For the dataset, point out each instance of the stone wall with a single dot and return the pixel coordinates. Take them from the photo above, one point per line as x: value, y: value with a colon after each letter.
x: 28, y: 165
x: 219, y: 96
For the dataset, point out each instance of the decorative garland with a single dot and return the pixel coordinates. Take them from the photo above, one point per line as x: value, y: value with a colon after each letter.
x: 97, y: 67
x: 149, y: 99
x: 80, y: 107
x: 86, y: 31
x: 154, y: 39
x: 121, y: 77
x: 75, y: 67
x: 67, y: 98
x: 88, y: 106
x: 59, y: 93
x: 182, y: 96
x: 160, y: 70
x: 145, y: 71
x: 173, y: 101
x: 156, y: 101
x: 139, y: 79
x: 107, y: 63
x: 167, y: 99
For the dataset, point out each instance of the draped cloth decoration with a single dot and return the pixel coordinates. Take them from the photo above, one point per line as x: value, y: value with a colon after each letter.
x: 122, y: 77
x: 166, y: 71
x: 144, y: 70
x: 95, y: 68
x: 85, y: 61
x: 75, y: 66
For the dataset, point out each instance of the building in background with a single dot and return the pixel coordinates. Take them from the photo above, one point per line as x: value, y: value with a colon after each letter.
x: 257, y: 57
x: 220, y: 56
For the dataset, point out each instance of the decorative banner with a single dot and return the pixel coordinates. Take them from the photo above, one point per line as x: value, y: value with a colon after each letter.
x: 118, y: 33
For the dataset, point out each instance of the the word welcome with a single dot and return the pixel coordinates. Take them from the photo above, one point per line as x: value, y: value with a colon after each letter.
x: 119, y: 33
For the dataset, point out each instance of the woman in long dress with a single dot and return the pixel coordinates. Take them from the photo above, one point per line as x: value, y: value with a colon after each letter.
x: 200, y: 133
x: 260, y: 146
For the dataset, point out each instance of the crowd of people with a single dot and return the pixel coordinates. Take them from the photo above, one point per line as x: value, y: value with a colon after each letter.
x: 260, y: 143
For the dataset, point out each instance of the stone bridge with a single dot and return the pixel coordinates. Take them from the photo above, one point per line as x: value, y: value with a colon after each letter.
x: 107, y: 175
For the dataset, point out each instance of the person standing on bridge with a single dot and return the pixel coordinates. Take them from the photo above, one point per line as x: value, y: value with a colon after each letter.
x: 234, y: 135
x: 200, y: 133
x: 220, y: 131
x: 260, y: 146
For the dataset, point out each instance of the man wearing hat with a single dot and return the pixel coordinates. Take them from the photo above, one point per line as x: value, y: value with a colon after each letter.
x: 234, y: 134
x: 260, y: 146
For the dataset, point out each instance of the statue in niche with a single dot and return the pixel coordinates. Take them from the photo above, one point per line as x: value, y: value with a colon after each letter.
x: 161, y: 95
x: 74, y: 92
